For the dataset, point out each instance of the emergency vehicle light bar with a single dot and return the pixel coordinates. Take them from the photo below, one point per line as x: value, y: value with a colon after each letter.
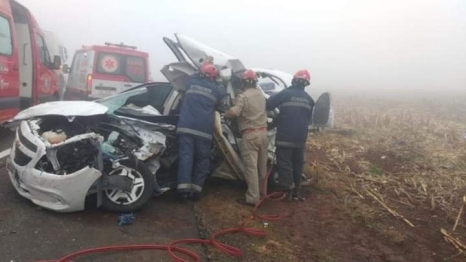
x: 121, y: 45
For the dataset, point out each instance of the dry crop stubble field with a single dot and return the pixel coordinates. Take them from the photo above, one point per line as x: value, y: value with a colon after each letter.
x: 388, y: 184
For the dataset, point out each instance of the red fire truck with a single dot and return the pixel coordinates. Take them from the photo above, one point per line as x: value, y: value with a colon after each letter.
x: 27, y: 74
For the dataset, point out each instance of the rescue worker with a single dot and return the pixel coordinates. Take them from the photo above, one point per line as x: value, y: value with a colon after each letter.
x: 252, y: 123
x: 293, y: 121
x: 195, y: 129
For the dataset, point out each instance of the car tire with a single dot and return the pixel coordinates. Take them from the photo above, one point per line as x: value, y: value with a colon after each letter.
x: 140, y: 173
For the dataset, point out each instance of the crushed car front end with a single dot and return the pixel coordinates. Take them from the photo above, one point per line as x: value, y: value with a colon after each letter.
x: 63, y: 191
x: 66, y: 151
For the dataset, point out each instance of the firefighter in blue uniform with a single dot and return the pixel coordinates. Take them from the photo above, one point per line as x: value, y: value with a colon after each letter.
x: 293, y: 121
x: 195, y: 129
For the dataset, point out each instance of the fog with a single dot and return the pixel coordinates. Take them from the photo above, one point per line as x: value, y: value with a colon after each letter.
x: 346, y: 44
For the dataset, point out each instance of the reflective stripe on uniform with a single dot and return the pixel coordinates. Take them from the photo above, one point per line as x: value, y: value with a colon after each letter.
x: 297, y: 104
x: 288, y: 144
x: 197, y: 188
x: 185, y: 130
x: 184, y: 186
x: 202, y: 93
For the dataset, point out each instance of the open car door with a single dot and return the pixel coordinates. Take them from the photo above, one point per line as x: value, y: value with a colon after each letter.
x: 178, y: 74
x: 323, y: 114
x: 190, y: 55
x: 189, y: 50
x: 198, y: 53
x: 176, y: 49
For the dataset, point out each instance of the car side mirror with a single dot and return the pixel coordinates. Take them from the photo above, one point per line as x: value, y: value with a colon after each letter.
x: 66, y: 69
x: 56, y: 63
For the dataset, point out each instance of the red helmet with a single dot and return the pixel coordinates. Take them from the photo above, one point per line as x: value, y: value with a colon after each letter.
x: 249, y: 75
x: 209, y: 70
x: 304, y: 75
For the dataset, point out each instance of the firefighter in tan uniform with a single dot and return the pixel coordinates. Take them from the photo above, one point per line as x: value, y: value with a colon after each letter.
x: 252, y: 121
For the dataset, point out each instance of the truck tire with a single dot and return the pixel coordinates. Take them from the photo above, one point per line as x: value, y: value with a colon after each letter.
x: 142, y: 189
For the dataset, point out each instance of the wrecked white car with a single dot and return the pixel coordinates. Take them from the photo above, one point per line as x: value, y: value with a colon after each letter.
x: 123, y: 148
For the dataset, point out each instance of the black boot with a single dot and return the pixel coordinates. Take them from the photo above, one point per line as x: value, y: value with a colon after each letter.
x: 194, y: 196
x: 182, y: 196
x: 281, y: 188
x: 289, y: 195
x: 297, y: 196
x: 242, y: 201
x: 287, y: 191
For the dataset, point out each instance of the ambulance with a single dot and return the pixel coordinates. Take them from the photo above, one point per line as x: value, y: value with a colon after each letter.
x: 100, y: 71
x: 27, y: 74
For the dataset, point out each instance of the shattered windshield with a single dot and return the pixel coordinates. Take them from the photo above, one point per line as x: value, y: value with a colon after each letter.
x: 119, y: 101
x: 143, y: 101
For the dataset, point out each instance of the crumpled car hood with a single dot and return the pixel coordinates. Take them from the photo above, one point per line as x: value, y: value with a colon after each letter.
x: 62, y: 108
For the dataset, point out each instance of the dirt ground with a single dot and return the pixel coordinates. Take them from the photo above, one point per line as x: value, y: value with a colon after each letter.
x: 385, y: 183
x: 405, y: 160
x: 322, y: 229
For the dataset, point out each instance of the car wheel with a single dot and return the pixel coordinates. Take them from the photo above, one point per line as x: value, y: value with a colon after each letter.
x: 142, y: 188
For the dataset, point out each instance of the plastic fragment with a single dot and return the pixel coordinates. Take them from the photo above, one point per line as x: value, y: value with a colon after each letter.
x: 126, y: 219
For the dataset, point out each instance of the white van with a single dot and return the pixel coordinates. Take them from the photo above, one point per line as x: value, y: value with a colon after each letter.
x: 100, y: 71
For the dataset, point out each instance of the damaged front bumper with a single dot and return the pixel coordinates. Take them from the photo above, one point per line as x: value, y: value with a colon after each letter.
x: 61, y: 193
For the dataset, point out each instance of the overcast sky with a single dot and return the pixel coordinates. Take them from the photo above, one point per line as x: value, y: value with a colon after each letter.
x: 350, y: 44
